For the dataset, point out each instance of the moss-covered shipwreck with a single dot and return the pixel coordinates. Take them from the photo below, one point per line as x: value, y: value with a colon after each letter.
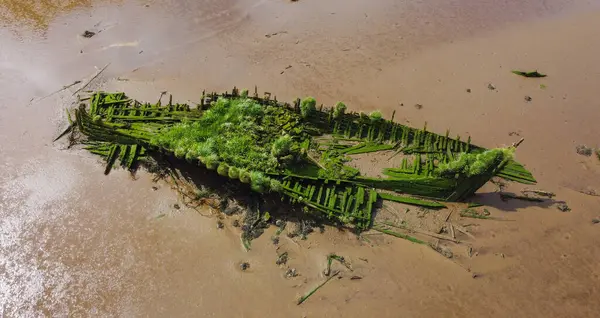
x: 306, y: 154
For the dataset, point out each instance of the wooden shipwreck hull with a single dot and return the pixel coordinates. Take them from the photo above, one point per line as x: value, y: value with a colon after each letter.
x: 297, y: 150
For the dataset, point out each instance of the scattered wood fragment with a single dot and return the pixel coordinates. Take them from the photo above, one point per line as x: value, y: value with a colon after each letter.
x: 91, y: 79
x: 474, y: 205
x: 563, y: 207
x: 305, y: 297
x: 330, y: 258
x: 274, y: 33
x: 452, y: 230
x: 472, y: 213
x: 399, y: 235
x: 62, y: 89
x: 438, y: 236
x: 534, y: 74
x: 464, y: 231
x: 539, y: 192
x: 411, y: 201
x: 444, y: 251
x: 589, y: 192
x: 448, y: 216
x: 516, y: 144
x: 65, y: 132
x: 507, y: 196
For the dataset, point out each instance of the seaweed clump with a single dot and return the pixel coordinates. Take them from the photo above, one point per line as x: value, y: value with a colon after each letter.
x: 474, y: 164
x: 240, y: 138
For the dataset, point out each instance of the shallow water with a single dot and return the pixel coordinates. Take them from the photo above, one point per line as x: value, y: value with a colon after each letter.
x: 77, y: 243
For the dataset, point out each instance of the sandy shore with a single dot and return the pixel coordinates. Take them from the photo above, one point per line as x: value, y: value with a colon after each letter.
x: 74, y: 242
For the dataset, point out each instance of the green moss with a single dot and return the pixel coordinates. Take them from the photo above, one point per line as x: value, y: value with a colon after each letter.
x: 339, y: 110
x: 211, y: 162
x: 223, y: 169
x: 473, y: 164
x: 239, y: 132
x: 180, y: 152
x: 276, y: 185
x: 259, y: 182
x: 245, y: 176
x: 234, y: 173
x: 375, y: 116
x: 308, y: 106
x: 282, y: 146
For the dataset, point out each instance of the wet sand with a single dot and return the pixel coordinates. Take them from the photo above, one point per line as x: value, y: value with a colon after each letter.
x: 74, y: 242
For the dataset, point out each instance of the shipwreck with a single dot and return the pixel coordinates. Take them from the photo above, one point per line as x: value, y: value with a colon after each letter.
x: 309, y: 155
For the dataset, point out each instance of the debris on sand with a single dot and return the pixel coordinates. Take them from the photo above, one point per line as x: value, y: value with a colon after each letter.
x: 356, y: 277
x: 468, y: 90
x: 220, y: 225
x: 305, y: 297
x: 542, y: 193
x: 595, y: 220
x: 274, y: 34
x: 473, y: 213
x: 91, y: 79
x: 444, y: 251
x: 563, y: 207
x: 330, y: 258
x: 176, y: 206
x: 491, y: 87
x: 418, y: 106
x: 244, y: 266
x: 589, y: 192
x: 528, y: 98
x: 254, y: 226
x: 508, y: 196
x: 584, y: 150
x: 300, y: 229
x: 282, y: 259
x: 291, y: 272
x: 275, y: 240
x: 398, y: 235
x: 61, y: 89
x: 88, y: 34
x: 499, y: 183
x: 529, y: 74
